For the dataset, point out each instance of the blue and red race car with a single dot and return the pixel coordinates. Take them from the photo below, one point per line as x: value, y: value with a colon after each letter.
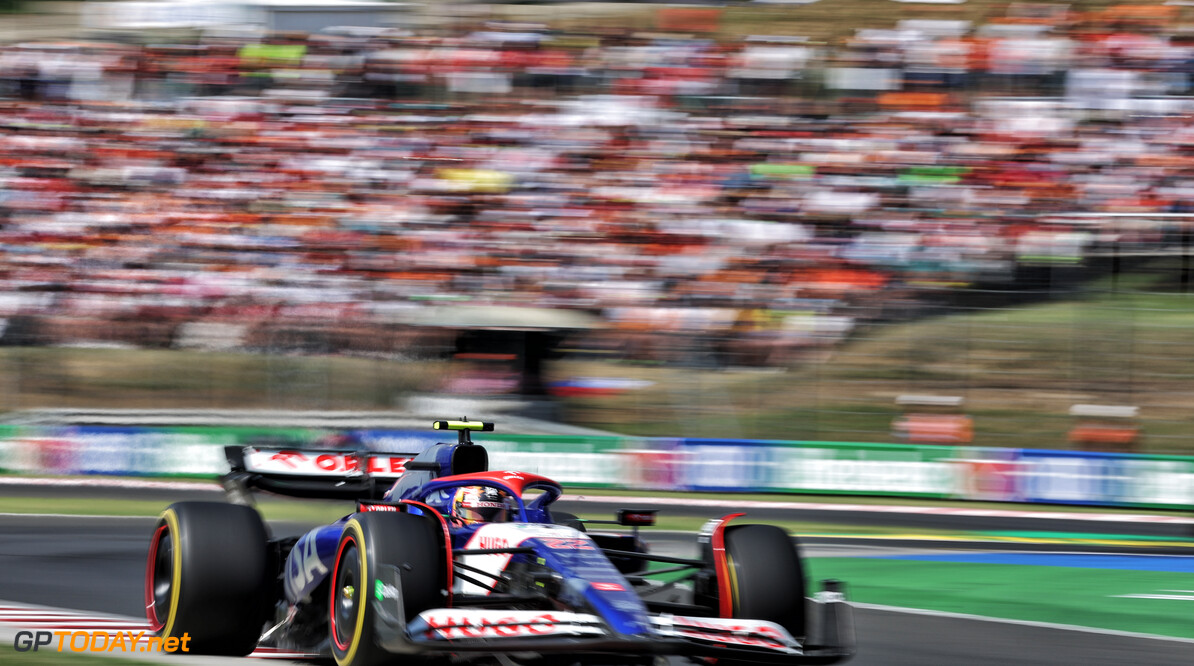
x: 444, y: 558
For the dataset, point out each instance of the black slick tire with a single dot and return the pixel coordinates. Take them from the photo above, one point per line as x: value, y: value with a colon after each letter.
x: 414, y: 544
x: 766, y: 576
x: 209, y: 577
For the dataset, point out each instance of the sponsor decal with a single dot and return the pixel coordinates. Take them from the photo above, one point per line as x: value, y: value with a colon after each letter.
x: 99, y: 641
x: 331, y: 463
x: 512, y: 535
x: 383, y: 591
x: 386, y: 465
x: 306, y: 566
x: 324, y: 464
x: 491, y: 536
x: 504, y: 624
x: 609, y: 587
x: 490, y: 542
x: 287, y: 459
x: 482, y: 627
x: 733, y: 632
x: 483, y: 505
x: 555, y: 543
x: 379, y: 507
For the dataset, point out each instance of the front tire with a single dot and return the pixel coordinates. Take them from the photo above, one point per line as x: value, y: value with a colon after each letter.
x: 414, y: 544
x: 208, y: 577
x: 766, y: 576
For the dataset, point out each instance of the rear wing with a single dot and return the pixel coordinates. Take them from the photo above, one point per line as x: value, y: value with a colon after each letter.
x: 323, y: 474
x: 351, y: 475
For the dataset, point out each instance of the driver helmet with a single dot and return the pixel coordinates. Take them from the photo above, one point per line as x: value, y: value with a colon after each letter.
x: 474, y: 505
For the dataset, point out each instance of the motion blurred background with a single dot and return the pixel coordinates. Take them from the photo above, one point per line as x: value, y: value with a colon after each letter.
x: 845, y: 220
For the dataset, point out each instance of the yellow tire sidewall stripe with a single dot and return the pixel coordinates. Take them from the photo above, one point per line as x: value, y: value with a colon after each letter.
x: 359, y: 535
x: 732, y: 572
x: 171, y: 518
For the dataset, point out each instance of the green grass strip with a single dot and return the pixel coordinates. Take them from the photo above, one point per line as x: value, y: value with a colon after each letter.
x: 1063, y: 595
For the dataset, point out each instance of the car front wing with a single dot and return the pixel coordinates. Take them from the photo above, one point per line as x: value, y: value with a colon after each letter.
x: 485, y: 630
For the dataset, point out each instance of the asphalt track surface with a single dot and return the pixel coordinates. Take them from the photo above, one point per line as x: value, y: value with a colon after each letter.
x: 96, y: 564
x: 872, y: 517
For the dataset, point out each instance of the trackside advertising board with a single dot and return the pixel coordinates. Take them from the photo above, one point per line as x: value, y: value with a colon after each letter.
x: 809, y: 467
x: 713, y: 465
x: 572, y: 460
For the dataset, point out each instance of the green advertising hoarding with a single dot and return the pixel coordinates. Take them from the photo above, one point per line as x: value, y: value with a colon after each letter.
x: 841, y: 468
x: 702, y: 465
x: 585, y: 461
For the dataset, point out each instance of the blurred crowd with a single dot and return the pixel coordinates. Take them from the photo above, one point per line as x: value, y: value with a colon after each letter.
x: 760, y: 197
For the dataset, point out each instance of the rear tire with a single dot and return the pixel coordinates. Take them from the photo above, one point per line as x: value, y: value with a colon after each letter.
x: 766, y: 576
x: 208, y: 576
x: 412, y: 543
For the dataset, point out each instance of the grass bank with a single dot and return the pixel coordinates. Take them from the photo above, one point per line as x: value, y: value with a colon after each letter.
x: 1018, y: 370
x: 35, y: 377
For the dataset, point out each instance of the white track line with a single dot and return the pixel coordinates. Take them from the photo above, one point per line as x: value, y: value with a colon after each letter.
x: 1026, y: 623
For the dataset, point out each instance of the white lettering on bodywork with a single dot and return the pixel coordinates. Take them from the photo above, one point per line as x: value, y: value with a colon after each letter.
x: 461, y: 624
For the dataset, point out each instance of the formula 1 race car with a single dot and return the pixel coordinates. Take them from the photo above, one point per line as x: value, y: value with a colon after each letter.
x: 444, y: 558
